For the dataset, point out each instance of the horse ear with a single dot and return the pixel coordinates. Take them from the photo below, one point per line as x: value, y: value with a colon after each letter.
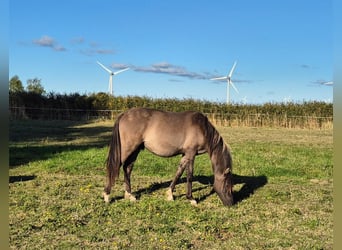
x: 227, y: 171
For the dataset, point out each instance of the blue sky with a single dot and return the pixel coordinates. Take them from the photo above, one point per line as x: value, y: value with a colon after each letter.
x: 284, y: 49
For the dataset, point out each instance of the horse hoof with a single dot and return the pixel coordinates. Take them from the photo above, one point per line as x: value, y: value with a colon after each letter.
x: 169, y: 195
x: 193, y: 202
x: 106, y: 197
x: 129, y: 196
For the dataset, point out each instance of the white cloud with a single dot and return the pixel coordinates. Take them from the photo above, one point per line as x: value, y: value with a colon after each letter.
x: 324, y: 82
x: 170, y: 69
x: 78, y: 40
x: 93, y: 52
x: 120, y: 66
x: 47, y: 41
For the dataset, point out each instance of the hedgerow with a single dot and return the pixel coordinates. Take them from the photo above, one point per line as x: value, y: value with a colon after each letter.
x: 75, y: 106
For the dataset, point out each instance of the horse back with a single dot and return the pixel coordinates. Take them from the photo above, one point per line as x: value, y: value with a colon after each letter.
x: 165, y: 133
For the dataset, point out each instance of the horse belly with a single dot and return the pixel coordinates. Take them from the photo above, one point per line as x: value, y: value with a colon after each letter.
x: 163, y: 145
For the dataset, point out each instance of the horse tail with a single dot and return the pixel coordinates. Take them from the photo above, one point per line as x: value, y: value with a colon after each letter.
x: 113, y: 161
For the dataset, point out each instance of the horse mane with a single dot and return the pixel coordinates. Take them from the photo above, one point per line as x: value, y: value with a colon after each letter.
x: 214, y: 140
x: 216, y: 146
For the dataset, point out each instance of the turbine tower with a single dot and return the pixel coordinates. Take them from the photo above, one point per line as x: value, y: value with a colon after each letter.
x: 228, y: 78
x: 111, y: 74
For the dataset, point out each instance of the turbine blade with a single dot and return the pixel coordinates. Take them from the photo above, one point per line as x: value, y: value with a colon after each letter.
x: 232, y: 70
x: 231, y: 83
x: 219, y: 78
x: 119, y: 71
x: 106, y: 69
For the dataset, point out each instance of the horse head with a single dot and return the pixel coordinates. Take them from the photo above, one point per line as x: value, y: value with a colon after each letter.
x: 223, y: 186
x: 222, y: 167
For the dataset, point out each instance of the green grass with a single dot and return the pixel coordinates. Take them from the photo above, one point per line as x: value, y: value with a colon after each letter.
x: 283, y: 190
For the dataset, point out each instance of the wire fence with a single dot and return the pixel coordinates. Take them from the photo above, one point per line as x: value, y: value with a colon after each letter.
x: 219, y: 119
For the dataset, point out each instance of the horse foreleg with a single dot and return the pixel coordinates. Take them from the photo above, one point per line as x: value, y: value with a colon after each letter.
x: 181, y: 167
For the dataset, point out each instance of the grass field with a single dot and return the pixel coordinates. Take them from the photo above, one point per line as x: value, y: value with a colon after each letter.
x: 283, y: 188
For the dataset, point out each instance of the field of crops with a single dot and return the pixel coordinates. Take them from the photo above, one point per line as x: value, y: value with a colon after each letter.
x: 103, y: 106
x: 283, y: 191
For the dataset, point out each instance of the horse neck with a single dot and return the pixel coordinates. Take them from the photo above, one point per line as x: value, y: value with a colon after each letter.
x: 220, y: 155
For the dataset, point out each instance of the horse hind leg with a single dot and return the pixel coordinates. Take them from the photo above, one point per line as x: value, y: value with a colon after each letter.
x: 127, y: 178
x: 105, y: 197
x: 189, y: 177
x: 128, y: 167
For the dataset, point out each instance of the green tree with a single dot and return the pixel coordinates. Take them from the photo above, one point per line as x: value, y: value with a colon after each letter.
x: 34, y: 86
x: 101, y: 101
x: 15, y: 85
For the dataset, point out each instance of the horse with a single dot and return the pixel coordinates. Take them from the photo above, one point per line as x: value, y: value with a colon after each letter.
x: 167, y: 134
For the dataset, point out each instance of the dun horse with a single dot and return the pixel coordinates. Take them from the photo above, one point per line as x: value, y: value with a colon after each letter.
x: 167, y: 134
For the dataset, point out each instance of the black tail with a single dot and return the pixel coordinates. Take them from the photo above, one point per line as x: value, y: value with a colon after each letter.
x: 113, y: 162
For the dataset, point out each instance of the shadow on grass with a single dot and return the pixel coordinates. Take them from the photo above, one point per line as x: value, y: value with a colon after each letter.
x: 56, y: 130
x: 21, y: 178
x: 34, y: 139
x: 250, y: 185
x: 24, y: 155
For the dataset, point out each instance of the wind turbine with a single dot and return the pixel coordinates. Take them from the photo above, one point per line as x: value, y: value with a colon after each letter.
x: 111, y: 74
x: 229, y: 81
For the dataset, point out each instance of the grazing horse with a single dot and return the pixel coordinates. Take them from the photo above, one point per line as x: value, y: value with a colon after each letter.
x: 167, y: 134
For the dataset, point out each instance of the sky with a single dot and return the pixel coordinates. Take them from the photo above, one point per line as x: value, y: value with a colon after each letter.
x: 283, y: 49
